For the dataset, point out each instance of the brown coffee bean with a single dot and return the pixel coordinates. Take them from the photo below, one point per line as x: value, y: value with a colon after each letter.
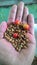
x: 12, y: 41
x: 12, y: 38
x: 13, y: 45
x: 25, y: 47
x: 19, y: 31
x: 8, y: 38
x: 12, y: 30
x: 27, y: 40
x: 17, y: 48
x: 8, y: 30
x: 16, y: 40
x: 24, y: 42
x: 21, y: 46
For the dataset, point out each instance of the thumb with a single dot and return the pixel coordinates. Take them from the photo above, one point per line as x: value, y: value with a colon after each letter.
x: 3, y: 27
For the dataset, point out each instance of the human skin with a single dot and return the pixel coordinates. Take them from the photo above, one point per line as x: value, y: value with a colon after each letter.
x: 8, y: 55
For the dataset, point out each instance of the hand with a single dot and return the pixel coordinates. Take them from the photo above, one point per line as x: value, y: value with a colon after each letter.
x: 8, y: 55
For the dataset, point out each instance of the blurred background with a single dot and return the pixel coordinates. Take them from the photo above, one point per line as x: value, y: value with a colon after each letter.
x: 5, y: 6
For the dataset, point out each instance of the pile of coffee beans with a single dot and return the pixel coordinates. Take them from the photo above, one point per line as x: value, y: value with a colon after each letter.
x: 16, y: 34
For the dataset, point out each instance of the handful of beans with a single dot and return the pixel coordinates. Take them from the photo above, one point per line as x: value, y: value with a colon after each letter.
x: 16, y: 34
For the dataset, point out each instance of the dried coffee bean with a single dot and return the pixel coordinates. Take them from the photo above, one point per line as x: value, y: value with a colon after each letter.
x: 13, y: 40
x: 7, y: 35
x: 25, y: 47
x: 27, y: 40
x: 24, y: 42
x: 8, y: 38
x: 19, y: 31
x: 21, y: 46
x: 8, y: 30
x: 12, y: 29
x: 16, y: 40
x: 17, y: 48
x: 13, y: 45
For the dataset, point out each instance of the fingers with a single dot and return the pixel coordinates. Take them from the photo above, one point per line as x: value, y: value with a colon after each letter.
x: 12, y: 14
x: 20, y: 11
x: 3, y: 28
x: 25, y: 14
x: 31, y: 23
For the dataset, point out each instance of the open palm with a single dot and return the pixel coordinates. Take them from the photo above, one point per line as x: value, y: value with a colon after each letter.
x: 8, y: 55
